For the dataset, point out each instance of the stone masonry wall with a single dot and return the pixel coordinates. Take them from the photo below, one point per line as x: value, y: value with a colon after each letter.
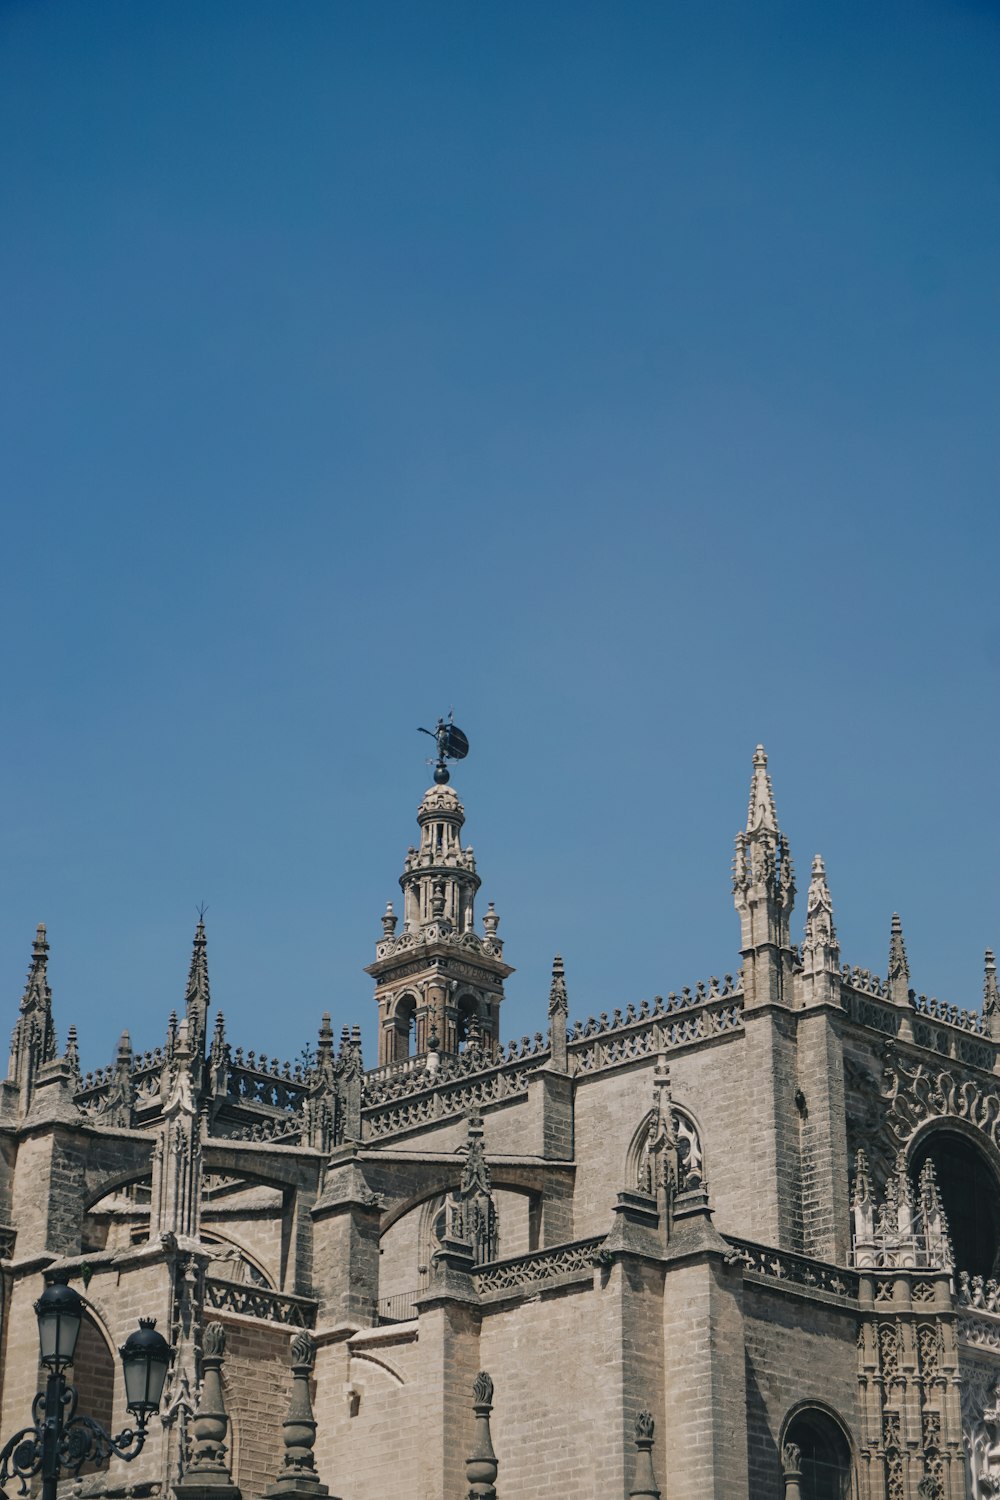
x: 795, y: 1353
x: 370, y: 1408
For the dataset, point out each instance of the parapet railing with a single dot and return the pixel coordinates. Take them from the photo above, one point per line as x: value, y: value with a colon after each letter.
x: 259, y: 1302
x: 399, y: 1308
x: 540, y: 1266
x: 794, y: 1270
x: 936, y: 1025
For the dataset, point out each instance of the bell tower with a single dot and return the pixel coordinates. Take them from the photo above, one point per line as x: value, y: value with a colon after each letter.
x: 438, y: 982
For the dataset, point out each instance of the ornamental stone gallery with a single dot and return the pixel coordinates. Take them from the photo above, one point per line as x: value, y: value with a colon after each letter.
x: 740, y: 1241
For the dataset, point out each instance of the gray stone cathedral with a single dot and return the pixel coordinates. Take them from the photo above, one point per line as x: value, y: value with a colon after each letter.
x: 741, y: 1241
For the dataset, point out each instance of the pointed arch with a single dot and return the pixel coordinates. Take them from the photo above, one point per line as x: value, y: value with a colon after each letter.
x: 690, y: 1153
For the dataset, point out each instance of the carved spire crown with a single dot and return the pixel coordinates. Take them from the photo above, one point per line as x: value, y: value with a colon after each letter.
x: 764, y: 893
x: 34, y: 1040
x: 899, y: 968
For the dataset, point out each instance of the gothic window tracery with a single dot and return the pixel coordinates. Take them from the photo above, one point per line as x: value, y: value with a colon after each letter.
x: 667, y: 1145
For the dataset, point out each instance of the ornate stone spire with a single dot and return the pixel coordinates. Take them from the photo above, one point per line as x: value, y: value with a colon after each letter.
x: 558, y: 998
x: 438, y: 974
x: 762, y: 815
x: 118, y: 1110
x: 197, y: 997
x: 899, y: 969
x: 933, y: 1219
x: 34, y: 1040
x: 177, y: 1180
x: 764, y: 893
x: 820, y: 949
x: 558, y: 1012
x: 862, y: 1211
x: 991, y: 996
x: 471, y: 1215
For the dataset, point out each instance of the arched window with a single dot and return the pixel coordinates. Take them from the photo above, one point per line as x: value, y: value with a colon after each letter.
x: 971, y: 1198
x: 468, y: 1021
x: 403, y: 1024
x: 93, y: 1374
x: 815, y: 1445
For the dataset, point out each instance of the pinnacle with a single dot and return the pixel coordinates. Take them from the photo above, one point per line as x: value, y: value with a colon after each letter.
x: 762, y: 814
x: 818, y: 868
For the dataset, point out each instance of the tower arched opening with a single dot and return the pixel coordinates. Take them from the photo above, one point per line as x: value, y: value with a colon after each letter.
x: 403, y: 1027
x: 970, y: 1194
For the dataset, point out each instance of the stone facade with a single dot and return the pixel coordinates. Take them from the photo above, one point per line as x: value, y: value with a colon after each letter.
x: 740, y: 1242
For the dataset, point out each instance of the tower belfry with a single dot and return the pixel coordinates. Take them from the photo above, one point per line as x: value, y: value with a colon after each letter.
x: 438, y: 983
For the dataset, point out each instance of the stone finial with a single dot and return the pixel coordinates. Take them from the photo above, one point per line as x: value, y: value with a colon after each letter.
x: 197, y: 997
x: 389, y: 920
x: 558, y: 1014
x: 991, y: 996
x: 73, y: 1054
x: 899, y: 968
x: 763, y: 875
x: 34, y: 1041
x: 210, y: 1424
x: 761, y: 813
x: 934, y: 1220
x: 474, y: 1213
x: 491, y: 922
x: 481, y: 1466
x: 820, y: 950
x: 644, y: 1479
x: 558, y: 998
x: 298, y: 1474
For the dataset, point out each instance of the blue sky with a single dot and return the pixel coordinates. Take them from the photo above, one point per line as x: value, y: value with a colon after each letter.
x: 623, y: 375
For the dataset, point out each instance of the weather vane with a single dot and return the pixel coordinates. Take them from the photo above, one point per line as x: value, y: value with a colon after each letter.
x: 452, y: 745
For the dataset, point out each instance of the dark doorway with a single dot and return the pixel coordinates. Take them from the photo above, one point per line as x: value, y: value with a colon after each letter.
x: 969, y: 1193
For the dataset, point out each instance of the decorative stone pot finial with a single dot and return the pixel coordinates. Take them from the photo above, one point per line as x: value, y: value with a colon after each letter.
x: 298, y: 1475
x: 481, y: 1466
x: 644, y: 1480
x: 791, y: 1469
x: 207, y: 1475
x: 210, y: 1420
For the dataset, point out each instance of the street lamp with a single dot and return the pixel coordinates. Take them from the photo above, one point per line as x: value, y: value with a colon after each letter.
x: 60, y: 1440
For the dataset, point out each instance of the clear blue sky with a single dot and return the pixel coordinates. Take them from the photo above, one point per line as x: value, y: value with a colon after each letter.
x: 624, y: 375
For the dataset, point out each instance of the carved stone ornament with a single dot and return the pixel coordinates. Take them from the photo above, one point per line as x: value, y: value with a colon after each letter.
x: 481, y: 1466
x: 644, y: 1480
x: 914, y: 1091
x: 791, y: 1460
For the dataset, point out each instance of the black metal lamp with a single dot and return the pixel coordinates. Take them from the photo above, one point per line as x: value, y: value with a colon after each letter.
x: 145, y: 1360
x: 59, y: 1440
x: 60, y: 1312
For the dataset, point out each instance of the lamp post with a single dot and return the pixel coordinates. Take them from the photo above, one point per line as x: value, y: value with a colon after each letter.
x: 58, y: 1439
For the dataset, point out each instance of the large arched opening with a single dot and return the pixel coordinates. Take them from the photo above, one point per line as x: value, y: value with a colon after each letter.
x: 816, y: 1444
x: 970, y: 1194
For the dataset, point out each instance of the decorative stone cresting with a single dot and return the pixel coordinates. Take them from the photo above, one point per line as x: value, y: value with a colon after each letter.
x: 298, y: 1476
x: 644, y: 1479
x: 481, y: 1465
